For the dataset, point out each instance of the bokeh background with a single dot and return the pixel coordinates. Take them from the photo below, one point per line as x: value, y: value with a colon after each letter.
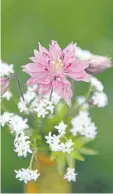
x: 90, y: 24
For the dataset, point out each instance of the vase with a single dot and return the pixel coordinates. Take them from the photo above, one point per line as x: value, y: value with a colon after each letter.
x: 50, y: 181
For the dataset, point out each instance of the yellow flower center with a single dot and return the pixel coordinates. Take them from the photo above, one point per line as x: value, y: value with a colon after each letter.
x: 58, y: 66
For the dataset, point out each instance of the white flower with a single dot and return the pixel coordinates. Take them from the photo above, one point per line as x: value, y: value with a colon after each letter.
x: 96, y: 84
x: 22, y: 145
x: 22, y: 106
x: 53, y: 141
x: 29, y: 96
x: 7, y: 95
x: 43, y: 107
x: 18, y: 124
x: 67, y: 147
x: 70, y: 175
x: 40, y: 110
x: 50, y: 107
x: 100, y: 99
x: 5, y: 118
x: 55, y: 98
x: 61, y: 128
x: 5, y: 69
x: 27, y: 175
x: 83, y: 125
x: 56, y: 145
x: 49, y: 138
x: 81, y: 100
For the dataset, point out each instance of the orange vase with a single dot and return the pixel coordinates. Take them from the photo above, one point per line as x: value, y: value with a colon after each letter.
x: 49, y: 181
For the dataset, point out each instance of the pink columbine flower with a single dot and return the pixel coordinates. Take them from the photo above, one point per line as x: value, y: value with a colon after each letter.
x: 50, y: 69
x: 4, y: 85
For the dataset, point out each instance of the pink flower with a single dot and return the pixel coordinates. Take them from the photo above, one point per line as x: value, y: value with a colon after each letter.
x: 50, y: 69
x: 98, y: 64
x: 4, y: 85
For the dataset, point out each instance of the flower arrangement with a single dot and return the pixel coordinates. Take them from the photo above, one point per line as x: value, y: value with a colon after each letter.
x: 61, y: 124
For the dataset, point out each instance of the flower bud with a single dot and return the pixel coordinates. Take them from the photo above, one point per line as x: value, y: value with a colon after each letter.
x: 98, y: 64
x: 4, y: 84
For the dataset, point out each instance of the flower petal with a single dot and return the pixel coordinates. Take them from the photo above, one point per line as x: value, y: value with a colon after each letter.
x: 81, y: 76
x: 63, y: 88
x: 45, y: 88
x: 55, y: 51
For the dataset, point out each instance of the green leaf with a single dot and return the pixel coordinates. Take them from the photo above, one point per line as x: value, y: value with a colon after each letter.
x: 81, y: 141
x: 75, y: 154
x: 88, y: 151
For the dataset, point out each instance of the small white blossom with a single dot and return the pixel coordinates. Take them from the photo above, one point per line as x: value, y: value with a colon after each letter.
x: 83, y: 125
x: 56, y: 145
x: 7, y: 95
x: 61, y: 128
x: 27, y: 175
x: 18, y: 124
x: 67, y: 147
x: 5, y: 69
x: 40, y: 110
x: 22, y: 145
x: 29, y: 96
x: 96, y: 84
x: 22, y: 106
x: 49, y: 138
x: 100, y: 99
x: 54, y: 99
x: 43, y: 107
x: 53, y: 141
x: 70, y: 175
x: 5, y: 118
x: 50, y: 107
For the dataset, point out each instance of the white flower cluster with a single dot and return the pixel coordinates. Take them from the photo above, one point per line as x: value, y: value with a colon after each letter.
x: 6, y: 70
x: 17, y: 125
x: 54, y: 99
x: 55, y: 142
x: 27, y: 175
x: 99, y: 98
x: 22, y: 145
x: 70, y: 175
x: 83, y: 125
x: 96, y: 84
x: 42, y: 107
x: 5, y: 118
x: 29, y: 96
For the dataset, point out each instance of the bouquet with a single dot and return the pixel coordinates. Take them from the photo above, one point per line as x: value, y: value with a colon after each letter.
x: 53, y: 123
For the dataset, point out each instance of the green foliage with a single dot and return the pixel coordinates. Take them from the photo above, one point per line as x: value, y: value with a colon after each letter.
x: 87, y: 151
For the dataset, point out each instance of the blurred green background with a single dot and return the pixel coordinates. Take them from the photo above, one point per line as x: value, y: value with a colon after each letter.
x: 90, y: 24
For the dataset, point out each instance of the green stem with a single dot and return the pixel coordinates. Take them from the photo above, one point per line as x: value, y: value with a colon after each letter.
x: 19, y: 84
x: 32, y: 158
